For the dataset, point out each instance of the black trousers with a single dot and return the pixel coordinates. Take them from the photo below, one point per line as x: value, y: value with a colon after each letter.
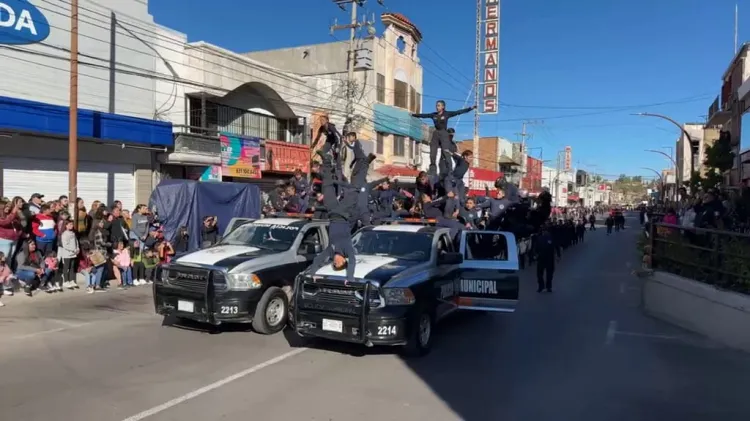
x: 545, y: 270
x: 69, y: 270
x: 609, y: 229
x: 139, y: 270
x: 592, y: 226
x: 441, y: 139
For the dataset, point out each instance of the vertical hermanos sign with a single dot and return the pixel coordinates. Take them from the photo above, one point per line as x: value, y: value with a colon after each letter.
x: 489, y: 57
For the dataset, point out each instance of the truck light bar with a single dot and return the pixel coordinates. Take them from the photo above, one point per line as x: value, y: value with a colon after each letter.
x: 290, y: 215
x: 413, y: 221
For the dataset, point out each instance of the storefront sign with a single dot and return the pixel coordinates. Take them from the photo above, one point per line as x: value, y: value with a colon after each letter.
x: 489, y: 56
x: 286, y: 157
x: 21, y: 23
x: 240, y: 156
x: 568, y: 158
x: 479, y: 178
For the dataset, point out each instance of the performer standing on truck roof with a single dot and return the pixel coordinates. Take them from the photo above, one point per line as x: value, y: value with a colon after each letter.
x: 440, y: 137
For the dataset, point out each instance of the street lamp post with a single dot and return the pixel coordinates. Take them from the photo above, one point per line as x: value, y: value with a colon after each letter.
x: 661, y: 181
x: 682, y: 129
x: 674, y: 163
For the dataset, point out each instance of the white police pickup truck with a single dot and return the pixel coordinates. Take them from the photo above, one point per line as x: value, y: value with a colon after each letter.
x: 246, y: 277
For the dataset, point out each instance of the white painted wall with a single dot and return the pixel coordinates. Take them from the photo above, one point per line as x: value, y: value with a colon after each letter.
x: 40, y: 72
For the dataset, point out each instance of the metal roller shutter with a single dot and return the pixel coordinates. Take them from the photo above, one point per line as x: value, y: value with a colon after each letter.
x: 96, y: 181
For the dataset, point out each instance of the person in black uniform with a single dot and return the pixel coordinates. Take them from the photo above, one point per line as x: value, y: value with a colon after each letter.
x: 360, y: 165
x: 341, y: 214
x: 332, y: 142
x: 440, y: 137
x: 609, y: 222
x: 546, y: 249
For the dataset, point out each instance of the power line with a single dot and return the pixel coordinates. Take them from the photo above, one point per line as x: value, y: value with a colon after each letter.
x: 221, y: 65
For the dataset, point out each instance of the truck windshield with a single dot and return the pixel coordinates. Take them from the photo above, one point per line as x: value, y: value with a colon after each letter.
x: 400, y: 245
x: 262, y: 236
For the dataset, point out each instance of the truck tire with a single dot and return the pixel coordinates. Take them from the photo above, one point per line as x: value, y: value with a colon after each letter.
x: 419, y: 342
x: 272, y: 312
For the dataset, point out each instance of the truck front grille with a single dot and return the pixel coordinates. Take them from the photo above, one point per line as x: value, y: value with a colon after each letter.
x: 340, y: 294
x: 191, y: 279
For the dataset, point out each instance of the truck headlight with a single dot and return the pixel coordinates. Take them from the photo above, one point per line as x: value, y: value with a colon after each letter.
x: 243, y: 281
x: 398, y: 296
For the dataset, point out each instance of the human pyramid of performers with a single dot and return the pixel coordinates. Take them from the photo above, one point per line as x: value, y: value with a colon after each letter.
x: 440, y: 195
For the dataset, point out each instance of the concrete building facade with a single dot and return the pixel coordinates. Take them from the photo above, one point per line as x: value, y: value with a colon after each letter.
x: 120, y: 104
x: 388, y: 83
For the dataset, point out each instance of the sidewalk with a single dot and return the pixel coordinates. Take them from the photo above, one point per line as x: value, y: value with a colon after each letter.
x: 20, y: 298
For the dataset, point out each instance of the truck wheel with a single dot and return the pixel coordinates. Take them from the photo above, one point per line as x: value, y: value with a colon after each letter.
x: 272, y: 312
x: 419, y: 342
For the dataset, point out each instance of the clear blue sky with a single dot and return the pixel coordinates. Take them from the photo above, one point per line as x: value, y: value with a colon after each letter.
x: 593, y: 54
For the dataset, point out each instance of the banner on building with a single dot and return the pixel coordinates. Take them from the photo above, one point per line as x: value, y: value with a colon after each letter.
x: 209, y: 173
x: 568, y: 158
x: 240, y: 156
x: 489, y: 57
x: 286, y: 157
x: 479, y: 178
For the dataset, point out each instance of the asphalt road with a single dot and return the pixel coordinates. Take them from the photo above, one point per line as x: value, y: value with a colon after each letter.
x: 584, y: 352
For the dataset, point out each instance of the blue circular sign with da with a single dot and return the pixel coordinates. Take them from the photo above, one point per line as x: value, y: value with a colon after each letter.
x: 22, y: 23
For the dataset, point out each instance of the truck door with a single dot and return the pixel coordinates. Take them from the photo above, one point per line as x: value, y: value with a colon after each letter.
x: 488, y: 277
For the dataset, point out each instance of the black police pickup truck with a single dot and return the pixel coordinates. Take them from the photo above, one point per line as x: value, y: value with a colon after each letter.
x: 408, y: 277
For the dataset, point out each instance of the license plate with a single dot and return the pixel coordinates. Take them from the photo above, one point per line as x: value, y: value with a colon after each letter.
x: 333, y: 325
x: 186, y: 306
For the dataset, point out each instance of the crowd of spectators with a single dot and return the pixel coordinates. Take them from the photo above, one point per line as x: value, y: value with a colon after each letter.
x: 43, y: 248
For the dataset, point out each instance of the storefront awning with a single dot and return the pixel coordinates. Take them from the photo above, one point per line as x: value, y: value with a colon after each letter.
x: 40, y: 117
x: 398, y: 170
x: 505, y: 160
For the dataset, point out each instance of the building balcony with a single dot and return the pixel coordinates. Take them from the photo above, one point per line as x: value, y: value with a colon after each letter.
x: 718, y: 113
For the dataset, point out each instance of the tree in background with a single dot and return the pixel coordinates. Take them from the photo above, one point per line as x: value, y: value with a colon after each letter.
x: 719, y: 159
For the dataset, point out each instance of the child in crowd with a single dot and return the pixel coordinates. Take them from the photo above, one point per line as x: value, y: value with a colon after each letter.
x: 123, y: 262
x: 150, y: 262
x: 68, y: 248
x: 51, y: 272
x: 6, y: 277
x: 139, y: 270
x: 85, y: 266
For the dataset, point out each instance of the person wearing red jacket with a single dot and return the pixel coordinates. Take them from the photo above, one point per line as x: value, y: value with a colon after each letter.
x: 9, y: 228
x: 44, y: 228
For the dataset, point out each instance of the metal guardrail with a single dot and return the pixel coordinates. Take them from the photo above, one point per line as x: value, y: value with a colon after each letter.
x: 715, y: 257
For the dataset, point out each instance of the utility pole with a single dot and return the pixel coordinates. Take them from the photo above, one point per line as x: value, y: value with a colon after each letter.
x: 523, y: 136
x: 352, y: 26
x: 351, y: 93
x: 558, y: 167
x: 73, y: 116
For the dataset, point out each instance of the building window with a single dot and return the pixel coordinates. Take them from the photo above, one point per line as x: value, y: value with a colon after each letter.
x: 418, y: 105
x: 223, y: 118
x: 400, y: 94
x: 379, y: 143
x: 398, y: 145
x: 401, y: 45
x: 380, y: 83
